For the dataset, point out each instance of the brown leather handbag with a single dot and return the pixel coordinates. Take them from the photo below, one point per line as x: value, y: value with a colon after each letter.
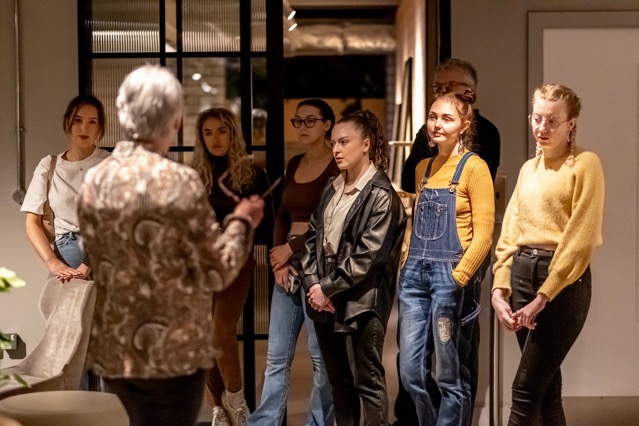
x: 47, y: 215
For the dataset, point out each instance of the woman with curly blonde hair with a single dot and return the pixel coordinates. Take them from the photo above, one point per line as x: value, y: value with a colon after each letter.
x: 220, y: 149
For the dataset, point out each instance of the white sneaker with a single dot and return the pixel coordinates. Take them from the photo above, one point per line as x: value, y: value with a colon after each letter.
x: 237, y: 415
x: 220, y: 418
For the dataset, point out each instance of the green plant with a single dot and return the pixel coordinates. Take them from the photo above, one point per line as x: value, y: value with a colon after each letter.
x: 8, y: 280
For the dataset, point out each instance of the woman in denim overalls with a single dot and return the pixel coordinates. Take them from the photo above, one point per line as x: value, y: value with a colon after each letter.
x: 452, y: 234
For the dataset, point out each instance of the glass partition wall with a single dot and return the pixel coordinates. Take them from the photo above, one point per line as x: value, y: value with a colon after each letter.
x: 222, y: 51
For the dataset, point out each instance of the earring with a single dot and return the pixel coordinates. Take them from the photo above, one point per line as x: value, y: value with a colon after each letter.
x: 460, y: 146
x: 431, y: 143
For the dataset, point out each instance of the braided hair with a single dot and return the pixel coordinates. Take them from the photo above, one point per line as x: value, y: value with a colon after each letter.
x: 556, y: 92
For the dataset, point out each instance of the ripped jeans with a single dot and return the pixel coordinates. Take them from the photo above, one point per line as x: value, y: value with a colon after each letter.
x: 433, y: 309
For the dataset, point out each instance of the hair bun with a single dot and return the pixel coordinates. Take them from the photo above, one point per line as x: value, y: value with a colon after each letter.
x: 468, y: 96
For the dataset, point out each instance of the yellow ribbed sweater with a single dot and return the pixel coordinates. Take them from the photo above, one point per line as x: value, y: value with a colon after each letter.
x: 475, y: 205
x: 556, y: 202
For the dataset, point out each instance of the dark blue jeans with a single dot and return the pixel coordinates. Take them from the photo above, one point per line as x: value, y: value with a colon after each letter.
x: 536, y: 389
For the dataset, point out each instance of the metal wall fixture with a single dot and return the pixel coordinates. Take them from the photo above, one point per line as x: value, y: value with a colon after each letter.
x: 18, y: 194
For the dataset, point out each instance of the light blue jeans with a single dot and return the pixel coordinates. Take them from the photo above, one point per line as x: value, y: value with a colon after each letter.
x: 67, y: 249
x: 287, y: 317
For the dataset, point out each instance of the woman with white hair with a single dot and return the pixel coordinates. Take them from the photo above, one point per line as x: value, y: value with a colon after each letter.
x: 158, y: 255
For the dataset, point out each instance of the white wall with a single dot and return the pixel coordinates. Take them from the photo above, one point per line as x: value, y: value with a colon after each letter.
x: 50, y: 80
x: 607, y: 125
x: 493, y: 36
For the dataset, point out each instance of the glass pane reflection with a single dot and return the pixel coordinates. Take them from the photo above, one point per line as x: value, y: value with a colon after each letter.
x: 106, y: 77
x: 211, y: 25
x: 208, y: 83
x: 125, y: 26
x: 258, y: 25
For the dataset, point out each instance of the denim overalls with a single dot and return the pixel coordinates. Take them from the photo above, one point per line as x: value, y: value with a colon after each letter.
x: 433, y: 307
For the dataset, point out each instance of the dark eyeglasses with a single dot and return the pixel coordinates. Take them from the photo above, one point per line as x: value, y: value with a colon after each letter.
x: 308, y: 122
x: 231, y: 194
x: 442, y: 88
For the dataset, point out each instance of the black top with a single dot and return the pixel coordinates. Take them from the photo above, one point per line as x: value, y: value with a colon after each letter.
x: 224, y: 205
x: 487, y: 146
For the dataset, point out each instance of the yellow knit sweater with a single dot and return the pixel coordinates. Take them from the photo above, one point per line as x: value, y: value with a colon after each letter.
x: 475, y: 205
x: 556, y: 202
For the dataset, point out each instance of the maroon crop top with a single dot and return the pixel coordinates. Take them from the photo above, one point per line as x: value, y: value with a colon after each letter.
x: 299, y: 200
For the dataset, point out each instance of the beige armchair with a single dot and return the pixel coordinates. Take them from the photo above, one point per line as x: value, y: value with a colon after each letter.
x: 57, y: 362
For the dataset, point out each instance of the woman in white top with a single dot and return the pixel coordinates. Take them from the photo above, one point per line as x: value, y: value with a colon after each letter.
x: 83, y: 123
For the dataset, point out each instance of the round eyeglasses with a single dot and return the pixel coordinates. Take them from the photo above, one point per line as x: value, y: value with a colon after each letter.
x: 308, y: 122
x: 551, y: 122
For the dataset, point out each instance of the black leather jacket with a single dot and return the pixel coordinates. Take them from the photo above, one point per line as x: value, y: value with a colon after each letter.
x: 366, y: 268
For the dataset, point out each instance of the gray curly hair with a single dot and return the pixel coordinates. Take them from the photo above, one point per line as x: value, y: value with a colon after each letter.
x: 149, y: 98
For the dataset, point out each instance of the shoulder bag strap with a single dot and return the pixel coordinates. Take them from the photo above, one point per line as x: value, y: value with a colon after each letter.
x: 54, y: 159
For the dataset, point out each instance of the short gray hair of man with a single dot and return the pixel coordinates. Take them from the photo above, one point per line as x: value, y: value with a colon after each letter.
x: 149, y: 98
x: 464, y: 66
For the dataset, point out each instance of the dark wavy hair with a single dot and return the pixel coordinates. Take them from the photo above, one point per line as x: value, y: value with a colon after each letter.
x: 325, y: 111
x: 369, y: 126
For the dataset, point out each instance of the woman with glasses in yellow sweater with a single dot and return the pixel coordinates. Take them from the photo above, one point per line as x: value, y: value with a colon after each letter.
x: 551, y: 227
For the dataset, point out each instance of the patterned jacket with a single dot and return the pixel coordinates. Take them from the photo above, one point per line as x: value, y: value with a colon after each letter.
x: 157, y: 254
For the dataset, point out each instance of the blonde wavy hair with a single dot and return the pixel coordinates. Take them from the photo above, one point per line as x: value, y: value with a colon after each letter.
x: 241, y: 172
x: 555, y: 92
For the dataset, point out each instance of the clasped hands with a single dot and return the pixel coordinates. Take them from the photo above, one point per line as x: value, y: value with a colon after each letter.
x: 65, y: 273
x: 524, y: 317
x: 318, y: 300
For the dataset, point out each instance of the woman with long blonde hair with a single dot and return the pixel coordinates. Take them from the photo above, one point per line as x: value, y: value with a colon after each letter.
x: 220, y: 153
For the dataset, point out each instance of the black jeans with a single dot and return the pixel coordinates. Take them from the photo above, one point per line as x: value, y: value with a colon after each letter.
x: 536, y: 389
x: 354, y: 365
x: 168, y: 402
